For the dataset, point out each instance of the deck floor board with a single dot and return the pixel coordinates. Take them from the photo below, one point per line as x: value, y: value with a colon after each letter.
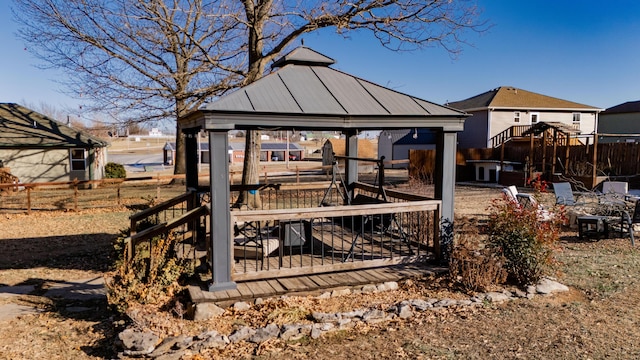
x: 311, y: 284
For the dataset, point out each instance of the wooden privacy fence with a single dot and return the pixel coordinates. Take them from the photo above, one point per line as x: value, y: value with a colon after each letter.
x: 422, y: 163
x: 614, y: 159
x: 617, y: 159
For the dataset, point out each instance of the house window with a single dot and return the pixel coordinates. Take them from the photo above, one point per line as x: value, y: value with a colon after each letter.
x: 535, y: 117
x: 516, y: 116
x: 576, y: 118
x: 78, y: 159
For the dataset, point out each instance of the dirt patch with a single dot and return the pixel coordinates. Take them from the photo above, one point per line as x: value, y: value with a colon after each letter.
x: 597, y: 318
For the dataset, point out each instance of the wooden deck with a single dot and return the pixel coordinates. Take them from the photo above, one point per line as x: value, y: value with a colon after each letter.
x: 315, y: 284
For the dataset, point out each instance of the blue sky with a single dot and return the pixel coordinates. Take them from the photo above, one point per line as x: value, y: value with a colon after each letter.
x: 578, y: 50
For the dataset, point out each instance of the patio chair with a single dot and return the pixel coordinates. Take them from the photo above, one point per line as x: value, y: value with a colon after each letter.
x: 526, y: 201
x: 615, y: 187
x: 628, y: 220
x: 564, y: 194
x: 575, y: 206
x: 615, y: 191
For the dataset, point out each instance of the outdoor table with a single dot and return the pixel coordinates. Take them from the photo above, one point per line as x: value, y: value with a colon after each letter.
x: 593, y: 225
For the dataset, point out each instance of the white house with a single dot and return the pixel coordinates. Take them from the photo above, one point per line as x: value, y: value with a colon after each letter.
x: 508, y: 111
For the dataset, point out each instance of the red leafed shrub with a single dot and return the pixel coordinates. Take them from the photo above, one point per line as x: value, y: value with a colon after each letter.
x: 526, y: 243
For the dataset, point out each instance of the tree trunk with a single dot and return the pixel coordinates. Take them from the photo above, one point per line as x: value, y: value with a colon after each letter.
x: 180, y: 166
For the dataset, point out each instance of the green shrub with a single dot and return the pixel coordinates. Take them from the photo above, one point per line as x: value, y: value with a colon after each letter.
x: 526, y: 243
x: 114, y: 171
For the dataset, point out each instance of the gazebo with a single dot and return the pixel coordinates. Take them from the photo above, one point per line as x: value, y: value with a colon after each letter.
x: 305, y: 93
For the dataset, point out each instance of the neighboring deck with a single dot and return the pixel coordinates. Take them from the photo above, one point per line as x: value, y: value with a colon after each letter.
x: 315, y: 284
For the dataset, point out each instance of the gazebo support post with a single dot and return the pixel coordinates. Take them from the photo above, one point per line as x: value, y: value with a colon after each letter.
x: 530, y: 169
x: 192, y: 154
x: 445, y: 178
x: 594, y: 172
x: 555, y: 151
x: 545, y: 135
x: 567, y: 151
x: 351, y: 165
x: 220, y: 219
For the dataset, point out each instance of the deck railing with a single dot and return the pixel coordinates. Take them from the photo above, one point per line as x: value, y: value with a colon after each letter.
x: 182, y: 214
x: 371, y: 232
x: 507, y: 134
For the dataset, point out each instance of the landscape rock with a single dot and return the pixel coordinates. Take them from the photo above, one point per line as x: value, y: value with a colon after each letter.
x: 207, y: 311
x: 548, y: 286
x: 263, y: 334
x: 215, y: 342
x: 167, y: 345
x: 176, y: 355
x: 420, y: 305
x: 445, y: 303
x: 326, y: 317
x: 353, y: 314
x: 404, y: 311
x: 519, y: 293
x: 369, y: 288
x: 496, y: 297
x: 136, y: 343
x: 388, y: 286
x: 318, y: 329
x: 340, y: 292
x: 241, y: 334
x: 241, y: 306
x: 374, y: 316
x: 291, y: 332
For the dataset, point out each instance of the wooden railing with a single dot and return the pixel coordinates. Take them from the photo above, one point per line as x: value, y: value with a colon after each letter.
x: 164, y: 212
x: 372, y: 232
x: 188, y: 219
x: 508, y: 134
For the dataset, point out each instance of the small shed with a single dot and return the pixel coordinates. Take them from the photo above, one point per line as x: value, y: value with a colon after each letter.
x: 395, y: 145
x: 305, y: 93
x: 39, y: 149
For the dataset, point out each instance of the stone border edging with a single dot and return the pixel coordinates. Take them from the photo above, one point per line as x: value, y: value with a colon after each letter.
x: 147, y: 344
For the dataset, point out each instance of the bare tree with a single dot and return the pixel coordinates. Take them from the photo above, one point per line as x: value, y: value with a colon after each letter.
x: 142, y: 60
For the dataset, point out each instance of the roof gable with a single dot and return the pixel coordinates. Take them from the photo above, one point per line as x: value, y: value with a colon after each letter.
x: 510, y: 97
x: 628, y: 107
x: 21, y: 127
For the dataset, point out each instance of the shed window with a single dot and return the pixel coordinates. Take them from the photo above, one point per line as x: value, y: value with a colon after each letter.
x: 516, y: 116
x: 78, y: 159
x: 576, y: 118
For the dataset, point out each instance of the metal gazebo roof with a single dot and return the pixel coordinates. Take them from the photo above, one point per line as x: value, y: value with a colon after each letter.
x: 306, y: 93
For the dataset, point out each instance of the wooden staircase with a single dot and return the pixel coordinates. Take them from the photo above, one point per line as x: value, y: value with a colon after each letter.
x: 509, y: 134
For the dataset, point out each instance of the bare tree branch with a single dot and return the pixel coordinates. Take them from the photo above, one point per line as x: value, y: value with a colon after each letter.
x: 145, y: 60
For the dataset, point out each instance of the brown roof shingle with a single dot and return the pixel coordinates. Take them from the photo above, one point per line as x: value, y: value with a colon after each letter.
x: 510, y: 97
